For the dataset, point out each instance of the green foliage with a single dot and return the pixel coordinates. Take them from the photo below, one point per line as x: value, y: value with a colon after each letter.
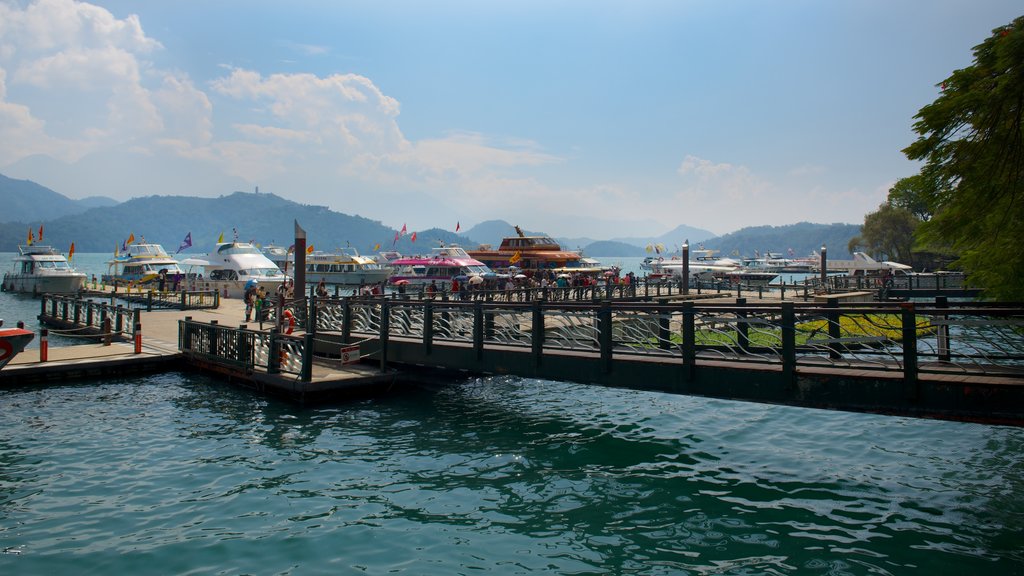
x: 888, y: 234
x: 911, y: 194
x: 970, y: 139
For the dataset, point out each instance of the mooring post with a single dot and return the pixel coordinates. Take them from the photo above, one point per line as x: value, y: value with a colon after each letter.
x: 788, y: 327
x: 834, y: 328
x: 44, y: 344
x: 274, y: 352
x: 307, y: 357
x: 106, y: 332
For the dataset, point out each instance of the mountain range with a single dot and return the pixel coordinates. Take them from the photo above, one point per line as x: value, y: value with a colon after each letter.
x: 99, y: 224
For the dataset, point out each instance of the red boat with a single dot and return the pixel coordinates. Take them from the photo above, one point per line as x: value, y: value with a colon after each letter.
x: 13, y: 341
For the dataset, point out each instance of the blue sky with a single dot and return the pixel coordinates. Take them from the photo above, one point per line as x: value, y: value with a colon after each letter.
x: 577, y: 118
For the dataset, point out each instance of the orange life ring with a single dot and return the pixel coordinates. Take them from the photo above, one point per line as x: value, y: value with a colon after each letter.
x: 291, y: 321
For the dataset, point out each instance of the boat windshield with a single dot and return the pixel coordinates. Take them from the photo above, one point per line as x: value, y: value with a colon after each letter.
x: 238, y: 249
x: 52, y: 265
x: 260, y: 272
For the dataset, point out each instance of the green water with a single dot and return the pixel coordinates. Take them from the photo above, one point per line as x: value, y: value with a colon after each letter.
x: 182, y: 474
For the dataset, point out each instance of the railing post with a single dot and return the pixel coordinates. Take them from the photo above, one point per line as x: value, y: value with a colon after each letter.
x: 664, y: 330
x: 689, y: 341
x: 77, y: 314
x: 118, y: 319
x: 42, y: 306
x: 346, y: 320
x: 385, y: 328
x: 274, y: 352
x: 605, y: 336
x: 214, y: 339
x: 942, y: 334
x: 242, y: 347
x: 788, y: 329
x: 742, y: 328
x: 478, y: 329
x: 185, y: 334
x: 428, y: 326
x: 149, y: 301
x: 537, y: 333
x: 307, y: 357
x: 909, y: 319
x: 184, y: 306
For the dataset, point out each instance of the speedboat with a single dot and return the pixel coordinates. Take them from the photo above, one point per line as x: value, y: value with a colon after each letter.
x: 233, y: 265
x: 39, y: 269
x: 12, y: 341
x: 345, y: 267
x: 142, y: 263
x: 442, y: 265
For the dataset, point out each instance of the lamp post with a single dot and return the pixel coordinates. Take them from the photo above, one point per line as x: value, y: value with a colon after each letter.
x: 824, y: 268
x: 686, y: 266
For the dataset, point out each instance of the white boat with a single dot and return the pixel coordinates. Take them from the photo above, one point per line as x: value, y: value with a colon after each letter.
x: 143, y: 263
x: 233, y: 265
x: 706, y: 267
x: 279, y: 255
x: 864, y: 265
x: 41, y: 269
x: 344, y: 267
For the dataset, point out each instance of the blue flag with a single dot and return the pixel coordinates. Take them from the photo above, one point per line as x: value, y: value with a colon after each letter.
x: 186, y: 243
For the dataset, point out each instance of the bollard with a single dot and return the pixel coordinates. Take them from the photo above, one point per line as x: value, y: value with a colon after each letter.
x: 44, y: 344
x: 106, y: 332
x: 138, y: 338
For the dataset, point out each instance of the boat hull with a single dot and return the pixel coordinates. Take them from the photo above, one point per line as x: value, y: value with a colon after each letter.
x: 360, y: 278
x: 12, y: 342
x: 39, y: 284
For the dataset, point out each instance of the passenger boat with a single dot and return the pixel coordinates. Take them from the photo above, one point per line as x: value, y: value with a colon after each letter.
x: 12, y: 341
x: 344, y: 267
x: 442, y: 265
x: 233, y: 265
x: 530, y: 254
x: 142, y: 263
x: 708, y: 267
x: 41, y: 269
x: 279, y: 255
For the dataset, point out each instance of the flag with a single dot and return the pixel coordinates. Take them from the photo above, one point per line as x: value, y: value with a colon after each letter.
x: 186, y: 243
x: 376, y: 246
x: 515, y: 258
x: 71, y: 252
x: 403, y: 232
x: 40, y: 232
x: 220, y: 238
x: 29, y: 235
x: 131, y: 238
x: 309, y: 249
x: 397, y: 235
x: 457, y: 226
x: 116, y: 253
x: 291, y: 248
x: 413, y: 237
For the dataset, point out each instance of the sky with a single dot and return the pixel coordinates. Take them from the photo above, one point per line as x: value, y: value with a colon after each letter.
x: 579, y: 118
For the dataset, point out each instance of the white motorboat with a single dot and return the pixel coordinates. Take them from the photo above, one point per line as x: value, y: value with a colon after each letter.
x: 41, y: 269
x: 233, y: 265
x: 345, y: 267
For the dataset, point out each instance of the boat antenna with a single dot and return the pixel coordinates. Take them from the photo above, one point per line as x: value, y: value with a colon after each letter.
x: 520, y: 231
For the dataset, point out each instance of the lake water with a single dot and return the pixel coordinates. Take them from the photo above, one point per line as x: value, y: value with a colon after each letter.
x: 184, y: 474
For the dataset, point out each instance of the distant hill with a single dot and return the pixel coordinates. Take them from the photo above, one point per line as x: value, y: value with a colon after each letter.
x: 263, y: 218
x: 800, y: 240
x: 29, y: 202
x: 676, y: 236
x: 612, y: 248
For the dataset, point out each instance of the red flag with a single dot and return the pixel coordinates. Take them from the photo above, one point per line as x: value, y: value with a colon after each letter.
x: 40, y: 232
x: 413, y: 237
x: 71, y: 252
x: 396, y: 238
x: 456, y: 226
x: 403, y: 230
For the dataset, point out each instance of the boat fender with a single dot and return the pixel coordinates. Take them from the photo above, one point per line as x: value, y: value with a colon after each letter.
x: 287, y: 314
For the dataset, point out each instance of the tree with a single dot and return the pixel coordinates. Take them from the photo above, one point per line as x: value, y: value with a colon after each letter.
x: 911, y: 193
x: 970, y: 139
x: 888, y: 233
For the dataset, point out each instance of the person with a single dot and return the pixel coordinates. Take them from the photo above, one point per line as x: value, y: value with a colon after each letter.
x: 250, y: 301
x: 431, y: 289
x: 321, y: 289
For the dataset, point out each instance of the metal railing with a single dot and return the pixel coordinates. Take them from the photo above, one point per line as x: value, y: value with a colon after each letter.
x: 93, y: 317
x: 246, y: 349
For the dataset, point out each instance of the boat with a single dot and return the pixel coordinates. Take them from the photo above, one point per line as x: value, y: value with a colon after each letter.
x: 345, y: 267
x: 142, y: 263
x: 39, y: 269
x: 233, y: 265
x: 529, y: 254
x: 864, y: 265
x: 12, y: 342
x: 708, y: 267
x: 443, y: 265
x: 279, y: 255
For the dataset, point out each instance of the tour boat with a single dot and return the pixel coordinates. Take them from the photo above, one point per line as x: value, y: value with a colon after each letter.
x: 345, y: 267
x: 530, y: 254
x: 142, y: 263
x: 12, y: 341
x: 442, y: 265
x: 233, y: 265
x: 39, y: 269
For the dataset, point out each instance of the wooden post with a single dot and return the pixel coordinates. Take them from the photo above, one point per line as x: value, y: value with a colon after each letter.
x: 307, y: 357
x: 789, y: 343
x: 605, y: 336
x: 689, y: 341
x: 834, y: 329
x: 385, y: 328
x: 742, y: 328
x: 537, y: 333
x: 428, y: 326
x: 909, y: 321
x: 478, y: 329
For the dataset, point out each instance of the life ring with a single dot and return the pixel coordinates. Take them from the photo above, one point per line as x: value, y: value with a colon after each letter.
x: 287, y: 314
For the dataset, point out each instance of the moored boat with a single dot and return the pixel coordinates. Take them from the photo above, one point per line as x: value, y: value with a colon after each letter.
x: 42, y: 269
x: 143, y: 263
x: 441, y: 266
x: 346, y: 267
x: 12, y: 341
x: 233, y: 265
x: 532, y: 255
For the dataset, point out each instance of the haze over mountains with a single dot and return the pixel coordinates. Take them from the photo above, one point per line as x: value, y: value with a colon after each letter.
x: 98, y: 224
